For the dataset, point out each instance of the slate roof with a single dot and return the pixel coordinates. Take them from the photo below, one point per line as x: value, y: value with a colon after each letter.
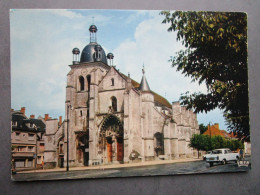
x: 144, y: 86
x: 157, y: 98
x: 22, y: 120
x: 88, y: 52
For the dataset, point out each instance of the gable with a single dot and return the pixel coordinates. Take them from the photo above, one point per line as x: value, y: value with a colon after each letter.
x: 112, y: 81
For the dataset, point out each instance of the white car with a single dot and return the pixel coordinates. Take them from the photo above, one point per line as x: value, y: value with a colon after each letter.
x: 222, y: 155
x: 206, y: 155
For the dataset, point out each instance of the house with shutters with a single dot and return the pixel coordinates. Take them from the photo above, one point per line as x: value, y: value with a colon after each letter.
x: 27, y: 140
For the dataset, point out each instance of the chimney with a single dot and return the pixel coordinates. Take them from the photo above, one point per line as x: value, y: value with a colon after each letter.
x: 23, y: 110
x: 60, y: 120
x: 46, y: 117
x: 216, y: 125
x: 32, y: 116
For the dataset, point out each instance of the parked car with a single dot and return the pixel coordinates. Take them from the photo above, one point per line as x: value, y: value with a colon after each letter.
x: 206, y: 155
x: 222, y: 155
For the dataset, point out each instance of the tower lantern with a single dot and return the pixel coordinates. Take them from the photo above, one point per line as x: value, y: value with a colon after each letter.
x: 75, y: 53
x: 110, y: 56
x: 93, y: 30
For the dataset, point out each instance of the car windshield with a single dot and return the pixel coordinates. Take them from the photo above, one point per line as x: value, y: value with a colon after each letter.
x: 209, y: 152
x: 217, y: 152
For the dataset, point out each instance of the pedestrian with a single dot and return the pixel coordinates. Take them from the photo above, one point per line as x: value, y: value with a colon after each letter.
x: 241, y: 152
x: 42, y: 164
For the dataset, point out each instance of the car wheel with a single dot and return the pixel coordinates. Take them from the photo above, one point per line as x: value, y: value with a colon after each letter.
x: 223, y: 161
x: 211, y: 164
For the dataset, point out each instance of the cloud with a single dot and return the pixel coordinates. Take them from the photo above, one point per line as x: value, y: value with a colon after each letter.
x: 136, y: 15
x: 64, y: 13
x: 41, y: 50
x: 153, y: 46
x: 40, y: 55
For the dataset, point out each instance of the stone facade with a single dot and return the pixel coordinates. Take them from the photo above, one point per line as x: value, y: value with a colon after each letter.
x: 111, y: 118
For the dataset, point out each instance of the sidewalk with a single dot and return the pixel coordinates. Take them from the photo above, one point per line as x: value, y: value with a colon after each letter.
x: 112, y: 166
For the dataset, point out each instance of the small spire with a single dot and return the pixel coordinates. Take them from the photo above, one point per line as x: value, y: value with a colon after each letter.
x: 144, y: 84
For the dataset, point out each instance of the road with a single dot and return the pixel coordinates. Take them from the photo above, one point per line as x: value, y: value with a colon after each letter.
x: 152, y: 170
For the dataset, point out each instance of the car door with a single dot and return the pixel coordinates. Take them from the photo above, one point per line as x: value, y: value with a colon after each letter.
x: 229, y: 155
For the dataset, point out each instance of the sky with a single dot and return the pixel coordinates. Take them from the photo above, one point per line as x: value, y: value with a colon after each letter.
x: 41, y: 50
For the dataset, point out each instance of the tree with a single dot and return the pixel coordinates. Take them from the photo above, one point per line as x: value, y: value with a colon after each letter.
x: 205, y: 143
x: 215, y: 54
x: 197, y: 141
x: 217, y: 142
x: 202, y: 128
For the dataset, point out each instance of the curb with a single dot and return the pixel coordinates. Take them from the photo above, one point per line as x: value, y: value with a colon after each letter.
x: 109, y: 166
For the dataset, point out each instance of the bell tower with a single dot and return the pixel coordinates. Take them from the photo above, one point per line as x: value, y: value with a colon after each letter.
x: 82, y: 101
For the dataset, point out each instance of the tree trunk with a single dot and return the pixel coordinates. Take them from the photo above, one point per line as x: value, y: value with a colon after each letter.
x: 198, y: 153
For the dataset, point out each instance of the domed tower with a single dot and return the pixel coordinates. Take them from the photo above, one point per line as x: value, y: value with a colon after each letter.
x: 82, y: 101
x: 93, y: 52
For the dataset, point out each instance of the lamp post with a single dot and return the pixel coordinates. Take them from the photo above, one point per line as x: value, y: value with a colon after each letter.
x: 209, y: 130
x: 67, y: 168
x: 210, y: 135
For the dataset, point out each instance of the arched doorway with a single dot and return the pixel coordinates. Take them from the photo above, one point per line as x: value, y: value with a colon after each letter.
x: 111, y: 140
x: 60, y: 152
x: 82, y: 154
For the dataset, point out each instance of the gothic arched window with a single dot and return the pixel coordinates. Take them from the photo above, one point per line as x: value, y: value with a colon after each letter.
x: 114, y: 103
x: 89, y: 80
x: 81, y: 82
x: 112, y: 82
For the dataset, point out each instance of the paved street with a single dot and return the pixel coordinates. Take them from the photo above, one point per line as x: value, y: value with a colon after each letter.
x: 151, y: 170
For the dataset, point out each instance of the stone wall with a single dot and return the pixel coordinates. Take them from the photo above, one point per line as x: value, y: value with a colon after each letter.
x: 135, y: 109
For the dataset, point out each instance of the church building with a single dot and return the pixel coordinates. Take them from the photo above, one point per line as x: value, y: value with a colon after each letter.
x: 110, y: 118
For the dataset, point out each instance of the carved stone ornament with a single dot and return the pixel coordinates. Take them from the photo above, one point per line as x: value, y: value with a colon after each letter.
x: 84, y: 72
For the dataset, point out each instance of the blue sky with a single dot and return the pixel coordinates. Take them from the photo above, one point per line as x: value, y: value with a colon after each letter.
x: 41, y: 50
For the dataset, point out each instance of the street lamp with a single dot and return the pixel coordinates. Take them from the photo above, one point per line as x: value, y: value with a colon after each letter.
x: 210, y: 130
x: 68, y: 107
x: 210, y: 135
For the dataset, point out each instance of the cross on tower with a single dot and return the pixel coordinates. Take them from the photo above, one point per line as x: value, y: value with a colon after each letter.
x: 143, y: 69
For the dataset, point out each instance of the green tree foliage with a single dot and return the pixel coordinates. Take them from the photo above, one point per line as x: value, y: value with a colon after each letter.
x: 202, y: 128
x: 205, y: 143
x: 215, y: 54
x: 198, y: 142
x: 217, y: 142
